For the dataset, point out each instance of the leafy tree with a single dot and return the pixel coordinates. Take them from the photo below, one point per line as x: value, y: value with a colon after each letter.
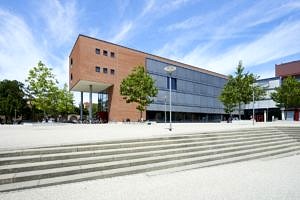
x: 138, y: 87
x: 65, y: 101
x: 239, y: 90
x: 228, y: 97
x: 42, y: 87
x: 11, y: 98
x: 288, y: 94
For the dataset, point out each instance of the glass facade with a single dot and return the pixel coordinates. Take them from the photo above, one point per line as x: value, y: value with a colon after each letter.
x: 195, y: 96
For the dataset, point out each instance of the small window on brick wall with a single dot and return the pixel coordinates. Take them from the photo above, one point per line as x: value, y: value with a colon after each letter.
x: 105, y: 53
x: 112, y: 54
x: 105, y: 70
x: 112, y: 71
x: 97, y: 51
x: 97, y: 69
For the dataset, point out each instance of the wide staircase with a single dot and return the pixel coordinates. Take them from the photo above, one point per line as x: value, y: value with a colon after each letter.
x: 38, y: 167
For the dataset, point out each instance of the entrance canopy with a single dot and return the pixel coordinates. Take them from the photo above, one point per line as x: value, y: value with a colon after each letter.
x: 84, y: 86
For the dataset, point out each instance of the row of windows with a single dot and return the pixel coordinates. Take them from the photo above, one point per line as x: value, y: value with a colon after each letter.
x: 156, y: 67
x: 188, y: 100
x: 104, y: 52
x: 104, y: 70
x: 162, y: 82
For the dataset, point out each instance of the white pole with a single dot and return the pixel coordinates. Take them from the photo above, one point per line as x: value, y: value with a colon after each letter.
x: 81, y: 106
x: 169, y: 70
x: 165, y: 109
x: 91, y: 105
x: 253, y: 117
x: 170, y: 129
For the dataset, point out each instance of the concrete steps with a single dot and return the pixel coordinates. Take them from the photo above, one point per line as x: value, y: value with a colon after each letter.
x: 37, y: 167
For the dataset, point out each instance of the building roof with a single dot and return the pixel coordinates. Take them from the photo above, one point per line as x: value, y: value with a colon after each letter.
x: 157, y: 57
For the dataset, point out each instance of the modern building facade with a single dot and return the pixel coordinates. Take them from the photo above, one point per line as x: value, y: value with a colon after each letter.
x: 266, y: 109
x: 289, y: 69
x: 97, y: 66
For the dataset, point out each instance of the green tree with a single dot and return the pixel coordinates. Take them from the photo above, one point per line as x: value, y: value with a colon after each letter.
x: 239, y: 90
x: 11, y: 98
x: 65, y: 104
x: 288, y: 94
x: 43, y: 88
x: 227, y: 97
x: 138, y: 87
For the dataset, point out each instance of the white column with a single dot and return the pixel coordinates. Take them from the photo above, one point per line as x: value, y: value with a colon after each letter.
x: 81, y: 107
x: 265, y: 115
x: 91, y: 104
x: 282, y: 115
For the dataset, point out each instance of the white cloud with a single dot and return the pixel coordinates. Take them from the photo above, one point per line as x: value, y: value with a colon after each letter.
x: 173, y: 5
x: 189, y: 23
x: 18, y: 50
x: 280, y: 42
x: 127, y: 26
x: 122, y: 6
x: 61, y: 19
x: 153, y: 9
x: 123, y: 32
x: 206, y: 53
x: 147, y: 8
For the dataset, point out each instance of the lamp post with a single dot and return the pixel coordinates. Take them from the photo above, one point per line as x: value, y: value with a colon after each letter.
x: 170, y: 69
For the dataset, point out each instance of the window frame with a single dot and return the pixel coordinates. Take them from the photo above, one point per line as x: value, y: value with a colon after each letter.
x: 105, y: 52
x: 112, y: 71
x: 112, y: 54
x: 173, y: 83
x: 97, y: 69
x: 105, y: 70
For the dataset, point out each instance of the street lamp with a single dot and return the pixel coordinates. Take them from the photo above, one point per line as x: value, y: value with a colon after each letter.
x: 170, y: 69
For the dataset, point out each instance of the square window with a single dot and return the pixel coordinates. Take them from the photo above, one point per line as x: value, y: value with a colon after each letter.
x: 97, y: 69
x: 173, y: 83
x: 97, y: 51
x: 112, y: 71
x: 105, y: 53
x: 112, y: 54
x: 105, y: 70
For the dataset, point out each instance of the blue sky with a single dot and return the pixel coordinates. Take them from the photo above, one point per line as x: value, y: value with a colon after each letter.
x: 213, y: 35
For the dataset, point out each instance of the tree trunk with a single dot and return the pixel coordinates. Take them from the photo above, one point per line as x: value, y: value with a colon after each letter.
x: 141, y: 115
x: 239, y: 111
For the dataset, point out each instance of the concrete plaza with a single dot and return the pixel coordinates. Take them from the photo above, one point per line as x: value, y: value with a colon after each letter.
x: 37, y: 135
x: 267, y: 178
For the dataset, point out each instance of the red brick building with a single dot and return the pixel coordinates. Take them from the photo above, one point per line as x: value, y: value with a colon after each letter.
x: 290, y: 69
x: 97, y: 66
